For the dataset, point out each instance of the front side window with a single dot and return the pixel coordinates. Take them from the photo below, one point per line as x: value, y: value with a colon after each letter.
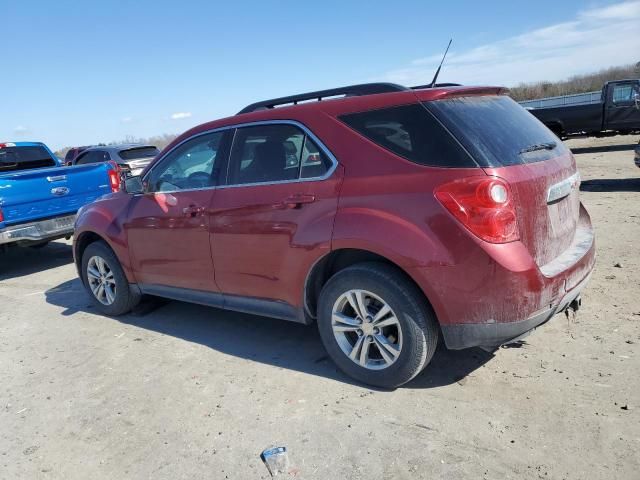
x: 623, y: 93
x: 193, y: 165
x: 274, y: 153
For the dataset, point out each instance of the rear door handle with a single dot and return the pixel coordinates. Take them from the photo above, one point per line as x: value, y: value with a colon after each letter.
x: 193, y: 211
x: 297, y: 200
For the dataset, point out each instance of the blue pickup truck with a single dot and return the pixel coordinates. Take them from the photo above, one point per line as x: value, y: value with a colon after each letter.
x: 39, y: 197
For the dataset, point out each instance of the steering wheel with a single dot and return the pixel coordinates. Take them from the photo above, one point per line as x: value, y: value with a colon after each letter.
x: 199, y: 180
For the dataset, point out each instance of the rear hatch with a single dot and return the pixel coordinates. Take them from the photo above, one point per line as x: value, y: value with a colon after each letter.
x: 509, y: 142
x: 29, y: 195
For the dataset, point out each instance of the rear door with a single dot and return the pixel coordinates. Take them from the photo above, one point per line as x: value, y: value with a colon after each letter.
x: 622, y: 112
x: 168, y: 226
x: 29, y: 191
x: 274, y: 219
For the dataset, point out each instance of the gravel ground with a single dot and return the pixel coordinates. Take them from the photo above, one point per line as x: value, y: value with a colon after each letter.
x: 192, y: 392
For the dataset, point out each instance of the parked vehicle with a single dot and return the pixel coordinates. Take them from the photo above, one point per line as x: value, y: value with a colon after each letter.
x: 130, y: 157
x: 637, y: 156
x: 614, y: 109
x: 410, y: 213
x: 72, y: 153
x: 39, y: 197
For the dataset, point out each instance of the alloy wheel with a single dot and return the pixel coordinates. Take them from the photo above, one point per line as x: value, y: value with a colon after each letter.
x: 366, y: 329
x: 101, y: 280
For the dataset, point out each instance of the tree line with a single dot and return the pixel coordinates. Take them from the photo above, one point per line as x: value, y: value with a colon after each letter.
x: 576, y: 84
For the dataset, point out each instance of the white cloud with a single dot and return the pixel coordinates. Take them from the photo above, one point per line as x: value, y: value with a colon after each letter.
x: 180, y: 115
x: 596, y: 38
x: 21, y: 130
x: 126, y: 120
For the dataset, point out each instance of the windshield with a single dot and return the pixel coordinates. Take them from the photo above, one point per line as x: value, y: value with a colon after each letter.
x: 25, y: 158
x: 139, y: 152
x: 496, y: 130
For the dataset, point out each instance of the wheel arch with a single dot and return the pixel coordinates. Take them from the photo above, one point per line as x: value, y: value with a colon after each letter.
x: 85, y: 238
x: 337, y: 260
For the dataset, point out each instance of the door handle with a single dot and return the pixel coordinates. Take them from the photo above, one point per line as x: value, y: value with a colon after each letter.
x: 193, y: 211
x: 297, y: 200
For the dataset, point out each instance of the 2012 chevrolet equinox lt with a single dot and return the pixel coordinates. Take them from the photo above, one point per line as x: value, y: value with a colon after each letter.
x: 389, y: 216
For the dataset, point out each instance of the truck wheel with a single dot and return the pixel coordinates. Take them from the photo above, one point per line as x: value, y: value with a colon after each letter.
x: 106, y: 282
x: 376, y: 325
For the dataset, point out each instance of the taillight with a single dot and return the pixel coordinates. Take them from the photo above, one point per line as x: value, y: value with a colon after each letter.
x: 484, y: 205
x: 1, y: 216
x: 114, y: 176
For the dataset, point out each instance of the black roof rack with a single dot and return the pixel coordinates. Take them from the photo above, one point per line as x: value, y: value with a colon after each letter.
x: 349, y: 91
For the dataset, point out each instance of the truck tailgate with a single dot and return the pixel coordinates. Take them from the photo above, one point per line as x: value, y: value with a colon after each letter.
x: 48, y: 192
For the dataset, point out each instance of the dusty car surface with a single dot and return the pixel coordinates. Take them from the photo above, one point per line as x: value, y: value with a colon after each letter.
x: 390, y: 216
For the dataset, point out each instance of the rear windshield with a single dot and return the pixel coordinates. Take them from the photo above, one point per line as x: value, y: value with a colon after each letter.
x: 496, y: 130
x: 140, y: 152
x: 25, y: 158
x: 410, y: 131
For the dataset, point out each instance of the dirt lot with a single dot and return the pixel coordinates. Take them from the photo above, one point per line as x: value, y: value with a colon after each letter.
x: 193, y: 392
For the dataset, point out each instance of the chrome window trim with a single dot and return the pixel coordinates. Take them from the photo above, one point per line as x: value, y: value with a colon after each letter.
x: 301, y: 126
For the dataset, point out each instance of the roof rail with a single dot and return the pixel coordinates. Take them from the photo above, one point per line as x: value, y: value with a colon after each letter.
x: 437, y: 85
x: 349, y: 91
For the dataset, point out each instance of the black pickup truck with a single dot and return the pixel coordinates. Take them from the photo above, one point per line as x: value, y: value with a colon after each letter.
x: 614, y: 109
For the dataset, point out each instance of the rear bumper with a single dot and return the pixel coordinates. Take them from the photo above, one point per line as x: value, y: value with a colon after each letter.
x: 492, y: 335
x: 490, y: 294
x: 43, y: 230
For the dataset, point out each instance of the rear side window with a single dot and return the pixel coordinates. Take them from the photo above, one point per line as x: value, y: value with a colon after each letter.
x: 274, y: 153
x: 140, y: 152
x: 496, y: 130
x: 24, y: 158
x: 411, y: 132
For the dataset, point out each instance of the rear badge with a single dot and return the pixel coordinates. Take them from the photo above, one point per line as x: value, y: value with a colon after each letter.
x: 59, y: 191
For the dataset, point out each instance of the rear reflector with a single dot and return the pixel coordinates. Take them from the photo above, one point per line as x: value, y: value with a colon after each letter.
x: 483, y: 205
x: 114, y: 176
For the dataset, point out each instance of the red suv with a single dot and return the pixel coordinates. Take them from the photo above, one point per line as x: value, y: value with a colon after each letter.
x: 387, y: 215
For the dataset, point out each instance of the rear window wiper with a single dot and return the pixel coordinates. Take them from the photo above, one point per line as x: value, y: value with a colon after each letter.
x: 539, y: 146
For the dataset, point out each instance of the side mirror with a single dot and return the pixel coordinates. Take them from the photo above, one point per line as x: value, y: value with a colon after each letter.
x: 636, y: 99
x: 133, y: 185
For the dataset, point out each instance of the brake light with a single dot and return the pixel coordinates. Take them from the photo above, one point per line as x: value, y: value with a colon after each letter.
x: 114, y: 176
x: 484, y: 205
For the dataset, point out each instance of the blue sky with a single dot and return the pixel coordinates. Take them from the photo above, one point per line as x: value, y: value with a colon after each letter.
x: 81, y: 72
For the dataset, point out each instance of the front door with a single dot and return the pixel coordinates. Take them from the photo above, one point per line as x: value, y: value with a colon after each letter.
x: 623, y: 106
x: 274, y: 218
x: 168, y: 225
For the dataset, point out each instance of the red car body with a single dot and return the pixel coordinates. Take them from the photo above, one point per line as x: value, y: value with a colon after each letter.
x: 267, y: 249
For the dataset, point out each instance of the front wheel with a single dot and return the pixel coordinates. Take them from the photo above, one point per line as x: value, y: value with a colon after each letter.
x: 106, y: 282
x: 376, y: 325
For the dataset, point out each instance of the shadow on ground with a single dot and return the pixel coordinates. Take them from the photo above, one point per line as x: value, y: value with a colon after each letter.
x: 261, y: 339
x: 605, y: 148
x: 19, y: 262
x: 611, y: 185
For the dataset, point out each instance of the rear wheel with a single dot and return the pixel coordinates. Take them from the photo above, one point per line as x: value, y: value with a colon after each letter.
x: 106, y: 282
x: 376, y: 325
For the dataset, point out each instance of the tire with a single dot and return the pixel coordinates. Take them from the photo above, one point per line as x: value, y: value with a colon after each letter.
x: 398, y: 350
x: 123, y: 298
